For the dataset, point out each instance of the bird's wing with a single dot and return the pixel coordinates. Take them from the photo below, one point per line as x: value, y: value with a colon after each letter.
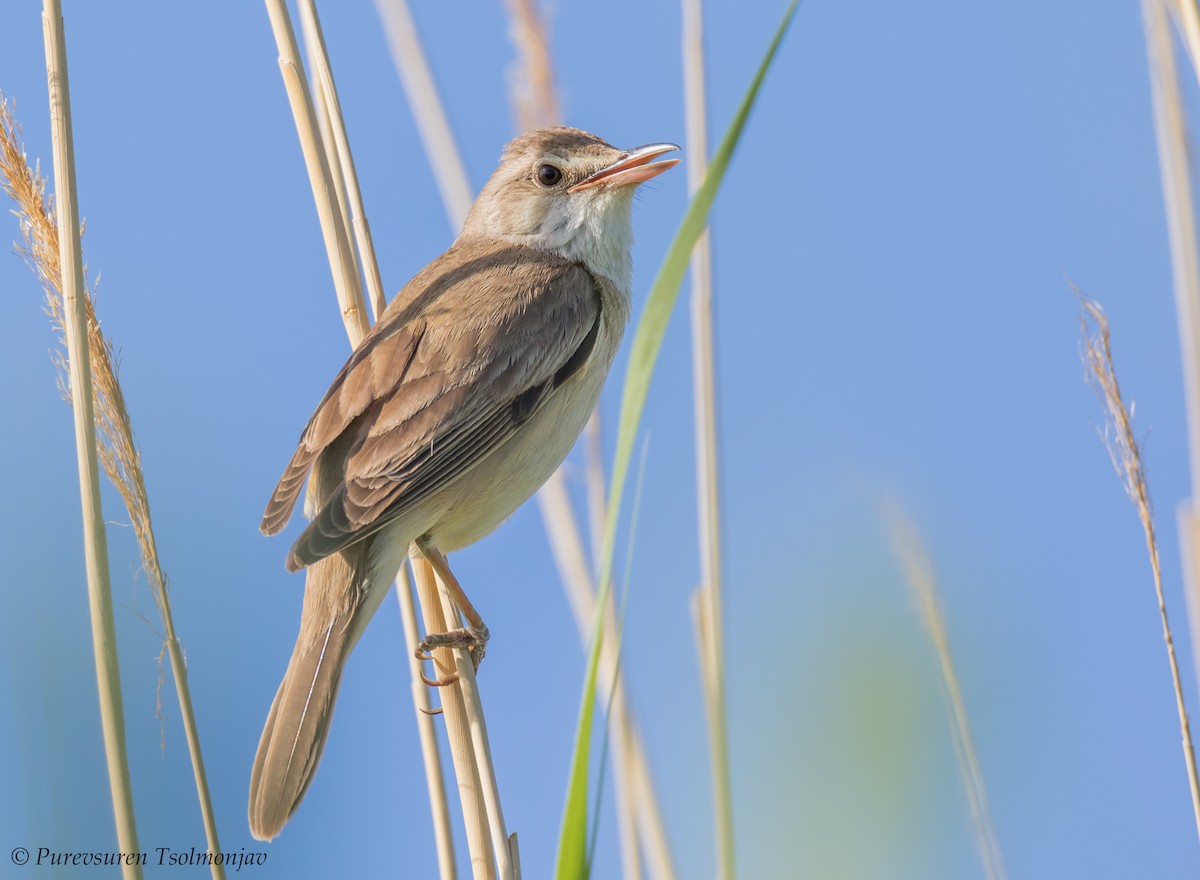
x: 356, y: 387
x: 465, y: 356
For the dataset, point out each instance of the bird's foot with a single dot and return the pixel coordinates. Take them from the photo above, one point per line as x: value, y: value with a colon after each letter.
x: 473, y: 638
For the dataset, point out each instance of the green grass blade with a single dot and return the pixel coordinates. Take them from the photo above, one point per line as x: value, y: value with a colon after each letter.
x: 612, y: 690
x: 652, y: 327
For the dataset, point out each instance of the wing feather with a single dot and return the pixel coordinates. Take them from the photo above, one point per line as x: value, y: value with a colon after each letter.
x: 357, y: 385
x: 463, y: 356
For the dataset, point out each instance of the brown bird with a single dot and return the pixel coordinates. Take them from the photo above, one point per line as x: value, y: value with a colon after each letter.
x: 456, y: 407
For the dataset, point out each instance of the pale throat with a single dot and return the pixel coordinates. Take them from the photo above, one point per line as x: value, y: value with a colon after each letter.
x: 593, y: 228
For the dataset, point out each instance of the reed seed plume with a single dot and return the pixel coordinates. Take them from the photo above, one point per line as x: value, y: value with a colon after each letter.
x: 119, y: 453
x: 918, y: 569
x: 1126, y: 457
x: 117, y: 449
x: 531, y: 78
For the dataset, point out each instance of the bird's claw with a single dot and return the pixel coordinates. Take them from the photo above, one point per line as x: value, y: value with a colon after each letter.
x: 474, y: 639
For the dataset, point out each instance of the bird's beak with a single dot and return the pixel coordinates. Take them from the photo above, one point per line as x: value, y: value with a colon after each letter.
x: 632, y: 167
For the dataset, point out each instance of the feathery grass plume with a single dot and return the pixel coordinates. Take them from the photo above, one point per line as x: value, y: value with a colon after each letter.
x: 531, y: 79
x: 1126, y: 457
x: 117, y: 451
x: 907, y: 545
x: 95, y: 541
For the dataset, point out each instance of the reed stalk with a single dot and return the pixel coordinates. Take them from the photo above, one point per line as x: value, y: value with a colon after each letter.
x: 707, y: 607
x: 320, y: 175
x: 439, y: 807
x: 919, y: 571
x: 461, y: 702
x: 458, y: 724
x: 477, y: 742
x: 1187, y: 19
x: 336, y: 144
x: 341, y: 160
x: 1126, y: 457
x: 417, y: 80
x: 117, y: 449
x: 75, y: 325
x: 1174, y: 167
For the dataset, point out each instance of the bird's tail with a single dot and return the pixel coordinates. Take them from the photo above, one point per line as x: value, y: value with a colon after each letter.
x: 294, y: 736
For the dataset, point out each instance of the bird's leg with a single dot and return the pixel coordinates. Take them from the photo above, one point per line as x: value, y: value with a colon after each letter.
x: 474, y: 637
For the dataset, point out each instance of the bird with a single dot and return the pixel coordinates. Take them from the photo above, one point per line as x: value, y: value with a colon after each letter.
x: 455, y: 408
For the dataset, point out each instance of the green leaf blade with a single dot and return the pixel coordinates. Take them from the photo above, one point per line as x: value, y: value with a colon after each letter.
x: 572, y: 862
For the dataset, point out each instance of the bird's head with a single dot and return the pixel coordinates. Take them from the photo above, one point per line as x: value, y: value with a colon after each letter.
x: 568, y: 192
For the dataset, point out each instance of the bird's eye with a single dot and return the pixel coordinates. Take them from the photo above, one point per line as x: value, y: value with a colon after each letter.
x: 548, y: 175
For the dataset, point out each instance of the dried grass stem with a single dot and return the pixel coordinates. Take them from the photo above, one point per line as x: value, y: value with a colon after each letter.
x: 919, y: 571
x: 118, y: 452
x: 1126, y: 457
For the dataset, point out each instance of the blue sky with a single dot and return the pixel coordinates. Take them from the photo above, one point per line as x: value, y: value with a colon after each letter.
x: 893, y: 321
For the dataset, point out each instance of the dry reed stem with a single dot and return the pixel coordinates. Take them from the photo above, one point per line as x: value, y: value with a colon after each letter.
x: 1127, y: 459
x: 707, y: 604
x: 476, y: 727
x: 334, y: 145
x: 341, y: 160
x: 620, y: 745
x: 337, y: 242
x: 650, y: 823
x: 440, y: 146
x: 434, y: 778
x: 1174, y: 166
x: 75, y: 326
x: 325, y: 130
x: 919, y: 571
x: 466, y: 768
x: 334, y: 149
x: 1187, y: 19
x: 118, y: 450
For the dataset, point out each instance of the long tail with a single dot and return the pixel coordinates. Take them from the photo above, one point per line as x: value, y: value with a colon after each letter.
x: 294, y: 736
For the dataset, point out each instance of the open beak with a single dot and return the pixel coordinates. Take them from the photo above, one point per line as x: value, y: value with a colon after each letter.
x: 634, y: 166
